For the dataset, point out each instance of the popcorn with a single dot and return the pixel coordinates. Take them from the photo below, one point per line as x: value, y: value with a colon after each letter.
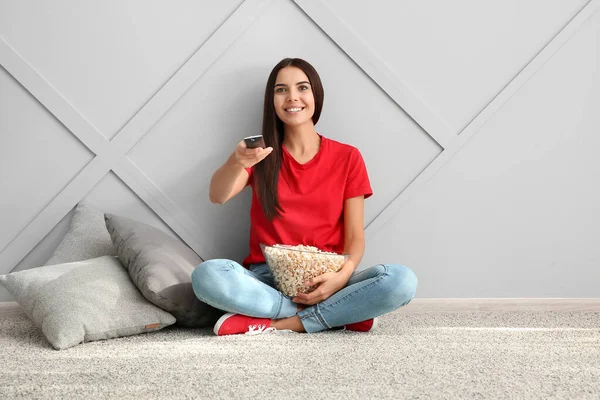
x: 291, y: 266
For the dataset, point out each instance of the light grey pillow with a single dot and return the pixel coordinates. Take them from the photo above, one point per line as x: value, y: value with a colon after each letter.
x: 161, y: 268
x: 84, y: 301
x: 87, y: 237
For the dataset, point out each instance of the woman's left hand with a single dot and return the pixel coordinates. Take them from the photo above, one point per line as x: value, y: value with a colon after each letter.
x: 329, y: 283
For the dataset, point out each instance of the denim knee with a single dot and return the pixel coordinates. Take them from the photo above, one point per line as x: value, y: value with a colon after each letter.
x: 401, y: 285
x: 204, y: 276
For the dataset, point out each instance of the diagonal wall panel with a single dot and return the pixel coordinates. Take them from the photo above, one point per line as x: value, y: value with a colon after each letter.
x: 30, y: 180
x: 107, y: 58
x: 519, y: 216
x: 511, y: 88
x: 455, y: 56
x: 108, y: 153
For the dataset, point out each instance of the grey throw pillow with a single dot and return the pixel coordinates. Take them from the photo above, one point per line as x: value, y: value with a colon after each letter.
x: 87, y: 237
x: 161, y: 268
x: 84, y: 301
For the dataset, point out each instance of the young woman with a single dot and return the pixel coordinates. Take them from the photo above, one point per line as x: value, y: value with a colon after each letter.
x: 306, y: 189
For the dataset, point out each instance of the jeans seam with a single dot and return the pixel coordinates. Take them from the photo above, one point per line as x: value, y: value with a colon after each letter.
x: 313, y: 314
x: 279, y: 305
x: 320, y: 318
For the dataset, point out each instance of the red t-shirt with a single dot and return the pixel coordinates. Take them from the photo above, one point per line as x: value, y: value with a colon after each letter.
x: 312, y: 197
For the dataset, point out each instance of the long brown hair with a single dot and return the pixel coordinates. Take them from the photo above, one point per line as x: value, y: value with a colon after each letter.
x: 266, y: 172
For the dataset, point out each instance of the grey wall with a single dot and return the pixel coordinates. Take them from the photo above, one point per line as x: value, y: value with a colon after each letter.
x: 478, y: 122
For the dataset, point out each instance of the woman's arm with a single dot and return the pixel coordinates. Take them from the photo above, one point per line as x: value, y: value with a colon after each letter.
x: 232, y: 177
x: 354, y: 234
x: 227, y: 181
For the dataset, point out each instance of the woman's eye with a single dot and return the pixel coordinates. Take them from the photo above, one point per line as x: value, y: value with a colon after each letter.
x: 280, y: 90
x: 304, y: 87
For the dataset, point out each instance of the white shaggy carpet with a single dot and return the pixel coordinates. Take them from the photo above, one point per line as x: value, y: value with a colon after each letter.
x: 424, y: 355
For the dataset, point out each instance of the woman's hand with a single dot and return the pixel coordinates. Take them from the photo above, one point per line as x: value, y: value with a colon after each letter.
x: 249, y: 157
x: 329, y: 283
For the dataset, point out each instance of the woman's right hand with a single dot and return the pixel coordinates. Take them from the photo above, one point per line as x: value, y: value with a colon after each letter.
x: 249, y: 157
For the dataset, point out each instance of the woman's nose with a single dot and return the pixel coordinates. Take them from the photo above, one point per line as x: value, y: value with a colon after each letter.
x: 292, y: 95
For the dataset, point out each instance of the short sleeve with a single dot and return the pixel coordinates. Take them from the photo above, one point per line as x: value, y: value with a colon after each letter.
x: 250, y: 172
x: 357, y: 180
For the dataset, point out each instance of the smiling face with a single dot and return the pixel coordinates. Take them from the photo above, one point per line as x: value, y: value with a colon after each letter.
x: 293, y: 97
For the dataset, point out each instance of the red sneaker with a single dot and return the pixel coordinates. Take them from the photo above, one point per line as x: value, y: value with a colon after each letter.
x: 363, y: 326
x: 232, y: 324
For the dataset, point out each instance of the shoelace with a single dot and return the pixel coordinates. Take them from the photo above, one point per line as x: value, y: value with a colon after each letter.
x: 258, y: 329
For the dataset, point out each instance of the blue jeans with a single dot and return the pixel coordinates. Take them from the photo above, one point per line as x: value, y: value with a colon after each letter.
x: 228, y: 286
